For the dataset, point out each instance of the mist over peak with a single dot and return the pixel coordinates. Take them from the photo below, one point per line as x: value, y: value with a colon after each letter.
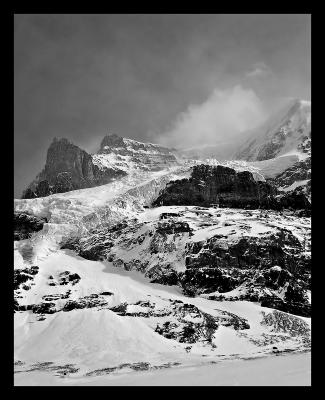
x: 221, y: 118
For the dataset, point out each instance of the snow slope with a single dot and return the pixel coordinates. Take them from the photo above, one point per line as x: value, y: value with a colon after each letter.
x: 289, y: 370
x: 94, y: 339
x: 74, y: 212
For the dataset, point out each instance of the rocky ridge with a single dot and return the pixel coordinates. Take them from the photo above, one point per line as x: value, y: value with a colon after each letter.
x: 132, y: 156
x: 224, y: 187
x: 25, y: 224
x: 280, y: 134
x: 68, y: 168
x: 213, y: 252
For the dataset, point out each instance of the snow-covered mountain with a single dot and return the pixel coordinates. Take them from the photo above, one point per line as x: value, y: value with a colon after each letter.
x: 281, y: 143
x: 130, y: 155
x: 105, y: 286
x: 69, y: 168
x: 279, y: 150
x: 133, y: 266
x: 282, y: 134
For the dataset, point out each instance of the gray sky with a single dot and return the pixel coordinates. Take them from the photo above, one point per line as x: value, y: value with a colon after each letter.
x: 150, y: 77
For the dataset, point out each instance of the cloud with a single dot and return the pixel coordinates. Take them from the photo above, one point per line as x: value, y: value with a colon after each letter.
x: 220, y: 119
x: 259, y: 69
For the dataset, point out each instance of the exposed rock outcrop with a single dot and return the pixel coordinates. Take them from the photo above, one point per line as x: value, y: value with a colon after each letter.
x: 23, y: 275
x: 128, y: 152
x: 296, y: 184
x: 209, y: 186
x: 26, y: 224
x: 258, y: 268
x: 239, y: 264
x: 300, y: 171
x: 220, y: 185
x: 188, y: 324
x: 298, y: 308
x: 296, y: 199
x: 68, y: 168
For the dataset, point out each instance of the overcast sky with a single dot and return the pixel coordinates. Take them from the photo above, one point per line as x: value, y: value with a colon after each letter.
x: 150, y: 77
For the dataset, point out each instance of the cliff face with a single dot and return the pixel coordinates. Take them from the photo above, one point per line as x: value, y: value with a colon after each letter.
x: 223, y: 186
x: 210, y: 185
x: 68, y: 168
x: 131, y: 155
x: 124, y: 146
x: 26, y: 224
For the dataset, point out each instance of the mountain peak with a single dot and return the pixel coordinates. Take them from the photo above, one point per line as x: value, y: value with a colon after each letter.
x: 57, y: 140
x: 68, y: 167
x: 131, y: 155
x: 284, y: 132
x: 112, y: 140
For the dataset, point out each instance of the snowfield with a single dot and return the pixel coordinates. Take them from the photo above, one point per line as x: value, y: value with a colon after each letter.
x: 98, y: 339
x: 289, y: 370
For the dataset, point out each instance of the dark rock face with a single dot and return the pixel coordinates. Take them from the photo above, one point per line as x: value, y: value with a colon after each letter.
x: 187, y: 331
x: 25, y: 224
x: 84, y: 302
x: 225, y: 187
x: 291, y: 307
x: 68, y: 168
x: 23, y: 275
x: 296, y: 200
x: 64, y: 278
x: 59, y: 296
x: 281, y: 249
x: 168, y: 215
x: 111, y: 141
x: 23, y: 280
x: 257, y: 265
x: 42, y: 308
x: 190, y: 325
x: 284, y: 323
x: 169, y: 278
x: 273, y: 263
x: 168, y: 228
x: 211, y: 185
